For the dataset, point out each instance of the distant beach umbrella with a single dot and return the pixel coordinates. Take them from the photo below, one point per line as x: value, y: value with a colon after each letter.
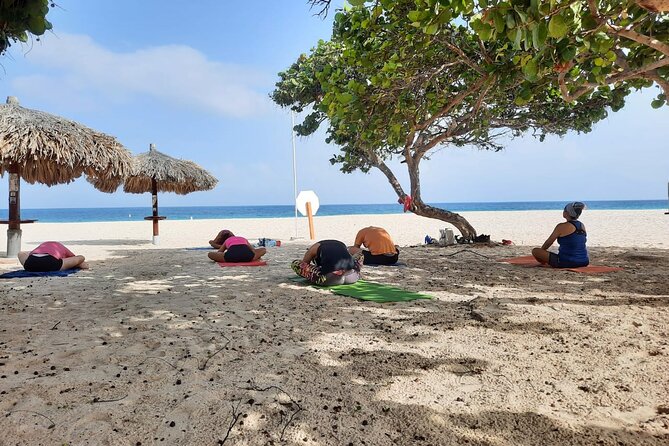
x: 155, y: 172
x: 47, y: 149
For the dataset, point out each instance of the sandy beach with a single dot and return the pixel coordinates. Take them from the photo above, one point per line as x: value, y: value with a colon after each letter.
x: 157, y: 345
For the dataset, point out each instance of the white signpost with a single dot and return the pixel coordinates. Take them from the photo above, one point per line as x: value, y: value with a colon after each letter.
x: 307, y: 203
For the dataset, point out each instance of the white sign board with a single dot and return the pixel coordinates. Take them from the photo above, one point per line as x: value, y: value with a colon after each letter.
x: 304, y: 197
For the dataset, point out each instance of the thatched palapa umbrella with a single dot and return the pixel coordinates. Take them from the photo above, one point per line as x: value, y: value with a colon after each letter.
x: 47, y: 149
x: 155, y: 172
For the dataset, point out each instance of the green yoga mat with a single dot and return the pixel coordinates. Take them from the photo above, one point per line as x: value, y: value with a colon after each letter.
x: 371, y: 291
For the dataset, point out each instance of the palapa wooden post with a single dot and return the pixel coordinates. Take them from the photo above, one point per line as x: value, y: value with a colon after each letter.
x: 154, y: 206
x: 310, y: 216
x: 14, y: 197
x: 14, y: 228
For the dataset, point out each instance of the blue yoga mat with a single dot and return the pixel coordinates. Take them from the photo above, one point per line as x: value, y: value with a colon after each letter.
x: 21, y: 273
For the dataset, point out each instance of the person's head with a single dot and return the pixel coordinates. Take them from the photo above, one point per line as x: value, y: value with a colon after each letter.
x: 224, y: 235
x: 573, y: 210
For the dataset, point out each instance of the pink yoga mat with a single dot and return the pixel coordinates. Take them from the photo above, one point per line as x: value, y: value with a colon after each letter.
x: 256, y: 263
x: 530, y: 262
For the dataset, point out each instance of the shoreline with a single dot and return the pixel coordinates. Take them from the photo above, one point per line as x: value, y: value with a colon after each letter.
x: 183, y: 213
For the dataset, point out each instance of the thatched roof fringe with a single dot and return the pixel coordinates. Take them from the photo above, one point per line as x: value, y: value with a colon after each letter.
x: 53, y: 150
x: 173, y: 175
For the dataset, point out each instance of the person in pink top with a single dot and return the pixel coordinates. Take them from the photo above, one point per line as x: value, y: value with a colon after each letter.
x: 235, y: 249
x: 51, y: 256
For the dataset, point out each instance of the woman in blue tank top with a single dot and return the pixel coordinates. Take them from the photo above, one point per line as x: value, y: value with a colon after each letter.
x: 571, y: 237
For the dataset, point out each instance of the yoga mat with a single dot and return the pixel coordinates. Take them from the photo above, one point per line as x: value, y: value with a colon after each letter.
x: 530, y: 261
x: 256, y: 263
x: 371, y: 291
x: 201, y: 248
x: 376, y: 292
x: 21, y: 273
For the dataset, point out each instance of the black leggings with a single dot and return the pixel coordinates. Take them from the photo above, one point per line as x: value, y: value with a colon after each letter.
x: 380, y: 259
x: 239, y: 254
x: 41, y: 264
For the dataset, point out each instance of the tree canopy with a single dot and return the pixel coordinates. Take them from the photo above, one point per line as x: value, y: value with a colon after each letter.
x: 586, y: 43
x: 20, y: 18
x: 386, y: 88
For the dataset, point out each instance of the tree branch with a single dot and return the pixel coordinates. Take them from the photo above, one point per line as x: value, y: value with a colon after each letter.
x: 619, y: 77
x: 452, y: 103
x: 375, y: 161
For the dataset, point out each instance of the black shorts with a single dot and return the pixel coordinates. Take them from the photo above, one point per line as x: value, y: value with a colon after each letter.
x: 239, y: 253
x: 555, y: 262
x: 379, y: 259
x: 41, y: 264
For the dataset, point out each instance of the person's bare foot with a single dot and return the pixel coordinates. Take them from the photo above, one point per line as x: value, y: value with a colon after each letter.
x: 84, y: 265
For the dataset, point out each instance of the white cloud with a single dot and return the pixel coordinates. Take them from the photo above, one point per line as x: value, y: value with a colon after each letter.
x: 174, y: 74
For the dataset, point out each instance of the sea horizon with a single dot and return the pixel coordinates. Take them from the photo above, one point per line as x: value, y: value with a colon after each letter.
x: 137, y: 213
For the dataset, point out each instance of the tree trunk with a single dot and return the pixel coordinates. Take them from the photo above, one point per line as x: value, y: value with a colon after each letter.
x: 420, y: 208
x: 457, y: 220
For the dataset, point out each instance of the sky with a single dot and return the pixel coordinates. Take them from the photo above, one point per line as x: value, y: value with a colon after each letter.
x: 194, y: 79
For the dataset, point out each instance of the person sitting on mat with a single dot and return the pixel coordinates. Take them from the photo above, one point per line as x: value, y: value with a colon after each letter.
x: 327, y: 263
x: 217, y: 242
x: 380, y: 247
x: 51, y: 256
x: 571, y: 237
x: 235, y: 249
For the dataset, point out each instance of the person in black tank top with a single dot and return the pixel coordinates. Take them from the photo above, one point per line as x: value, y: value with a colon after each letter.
x: 571, y: 236
x: 328, y: 262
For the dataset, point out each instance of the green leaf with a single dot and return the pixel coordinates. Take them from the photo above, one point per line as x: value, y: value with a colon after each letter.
x: 36, y: 25
x: 568, y: 53
x: 657, y: 103
x: 531, y: 69
x: 415, y: 16
x: 516, y: 40
x: 356, y: 2
x: 499, y: 21
x: 432, y: 28
x: 542, y: 34
x: 557, y: 27
x: 510, y: 21
x: 344, y: 98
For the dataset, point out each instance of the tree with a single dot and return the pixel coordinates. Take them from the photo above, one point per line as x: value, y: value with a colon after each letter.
x: 19, y: 18
x: 586, y: 43
x: 388, y: 89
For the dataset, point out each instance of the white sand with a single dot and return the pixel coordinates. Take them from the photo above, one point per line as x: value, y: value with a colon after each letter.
x: 647, y: 229
x: 157, y: 345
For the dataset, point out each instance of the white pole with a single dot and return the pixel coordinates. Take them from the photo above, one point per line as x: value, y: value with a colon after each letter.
x: 292, y: 134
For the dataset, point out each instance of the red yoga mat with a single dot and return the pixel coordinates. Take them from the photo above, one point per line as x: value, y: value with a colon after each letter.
x: 530, y: 261
x: 255, y: 263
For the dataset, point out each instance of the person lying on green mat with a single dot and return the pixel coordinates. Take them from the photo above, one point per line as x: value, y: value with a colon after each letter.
x: 327, y: 263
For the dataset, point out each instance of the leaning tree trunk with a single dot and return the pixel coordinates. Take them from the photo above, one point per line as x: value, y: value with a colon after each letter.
x: 417, y: 206
x: 457, y: 220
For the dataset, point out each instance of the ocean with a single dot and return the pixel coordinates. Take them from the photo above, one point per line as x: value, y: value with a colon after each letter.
x: 73, y: 215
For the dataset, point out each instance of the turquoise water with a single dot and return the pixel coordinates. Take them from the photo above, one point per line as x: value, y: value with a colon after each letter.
x: 215, y: 212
